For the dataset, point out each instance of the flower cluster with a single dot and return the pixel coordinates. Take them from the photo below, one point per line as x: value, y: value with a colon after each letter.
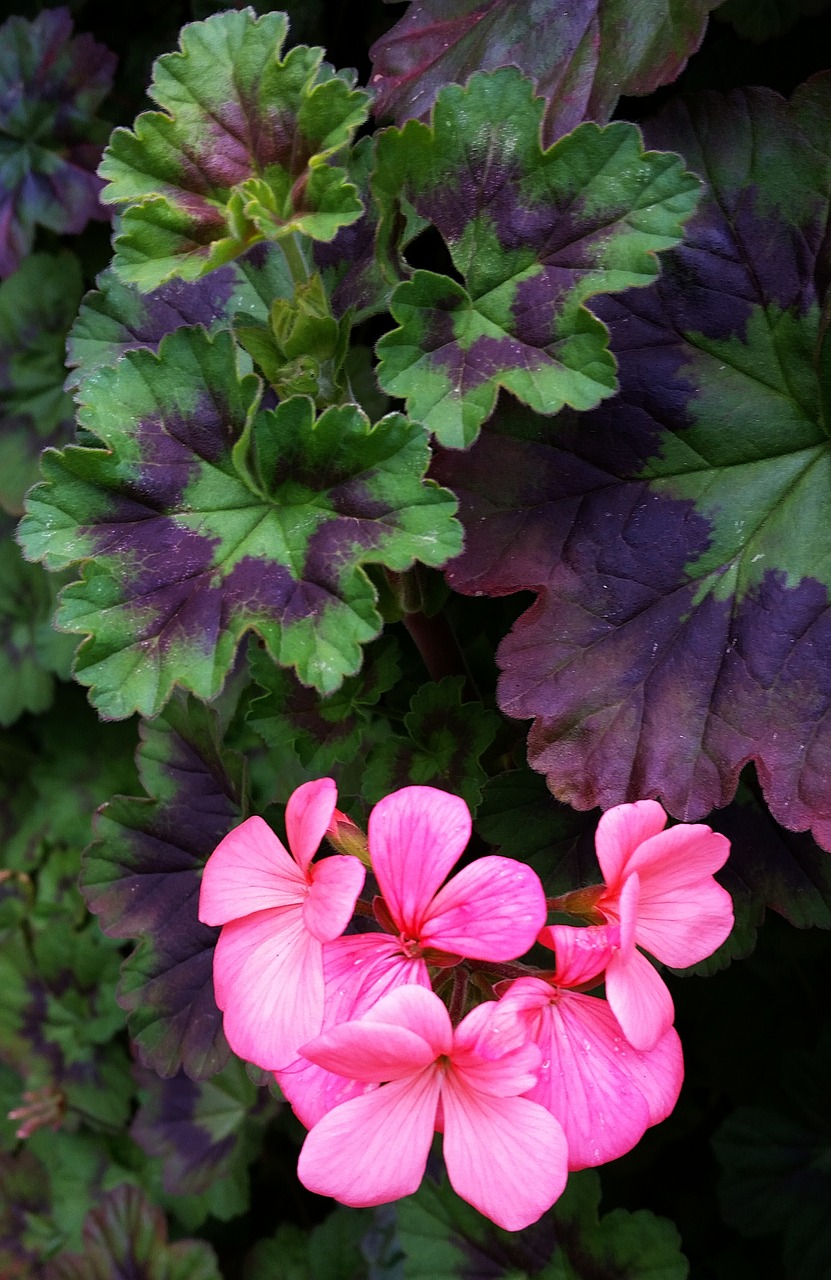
x: 423, y: 1021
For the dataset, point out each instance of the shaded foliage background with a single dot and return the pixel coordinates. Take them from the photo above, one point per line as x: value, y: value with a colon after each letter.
x: 151, y: 1148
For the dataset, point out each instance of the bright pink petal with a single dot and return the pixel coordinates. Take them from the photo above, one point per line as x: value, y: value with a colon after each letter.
x: 639, y: 999
x: 373, y: 1149
x: 683, y: 914
x: 361, y: 969
x: 312, y: 1091
x: 505, y: 1156
x: 493, y: 1054
x: 404, y: 1032
x: 416, y: 835
x: 582, y: 954
x: 492, y: 910
x: 249, y: 871
x: 308, y: 814
x: 619, y: 833
x: 336, y: 883
x: 604, y: 1093
x: 269, y: 972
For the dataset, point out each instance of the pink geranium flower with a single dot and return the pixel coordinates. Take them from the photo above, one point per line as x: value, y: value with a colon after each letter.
x: 491, y: 910
x: 277, y: 909
x: 504, y: 1153
x: 661, y: 894
x: 604, y: 1092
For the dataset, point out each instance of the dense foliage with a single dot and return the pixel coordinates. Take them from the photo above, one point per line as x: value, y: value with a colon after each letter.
x: 461, y: 420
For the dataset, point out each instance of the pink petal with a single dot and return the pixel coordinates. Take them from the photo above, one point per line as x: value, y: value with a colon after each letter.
x: 415, y: 836
x: 493, y: 1054
x: 683, y: 914
x: 582, y: 954
x: 604, y: 1093
x: 404, y: 1032
x: 268, y: 970
x: 492, y: 910
x: 619, y: 833
x: 362, y: 968
x: 358, y: 971
x: 308, y: 814
x: 336, y: 883
x: 639, y: 999
x: 248, y: 871
x: 312, y: 1092
x: 373, y: 1149
x: 505, y: 1156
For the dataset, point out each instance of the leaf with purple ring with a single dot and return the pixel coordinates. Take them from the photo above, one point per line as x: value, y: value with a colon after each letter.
x: 581, y: 58
x: 241, y: 150
x: 142, y: 878
x: 677, y: 536
x: 201, y: 1131
x: 534, y: 234
x: 51, y: 84
x: 116, y: 317
x: 199, y: 522
x: 127, y: 1235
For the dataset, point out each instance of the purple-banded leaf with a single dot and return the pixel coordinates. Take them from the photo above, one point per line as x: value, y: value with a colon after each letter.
x: 199, y: 522
x: 200, y: 1130
x: 126, y: 1235
x: 677, y: 537
x: 581, y: 56
x: 241, y: 150
x: 116, y: 317
x: 32, y: 653
x: 37, y: 305
x: 534, y: 234
x: 142, y: 877
x: 442, y: 745
x: 51, y: 84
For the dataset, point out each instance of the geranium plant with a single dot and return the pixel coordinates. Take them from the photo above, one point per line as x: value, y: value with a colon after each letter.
x: 415, y: 486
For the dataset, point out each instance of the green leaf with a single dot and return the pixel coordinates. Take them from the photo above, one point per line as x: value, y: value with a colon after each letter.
x: 32, y: 653
x: 444, y: 1238
x: 200, y: 522
x: 443, y: 743
x: 126, y: 1235
x: 240, y: 151
x: 37, y: 306
x: 534, y: 235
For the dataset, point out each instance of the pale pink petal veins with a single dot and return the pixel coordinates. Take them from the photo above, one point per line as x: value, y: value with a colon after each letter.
x: 494, y: 1055
x: 308, y: 814
x: 416, y: 835
x: 683, y: 914
x: 328, y: 908
x: 405, y: 1031
x: 582, y: 954
x: 639, y: 999
x: 249, y: 870
x: 619, y: 833
x: 358, y: 971
x: 362, y: 968
x: 492, y: 910
x: 506, y: 1156
x: 269, y: 972
x: 373, y: 1149
x: 312, y: 1091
